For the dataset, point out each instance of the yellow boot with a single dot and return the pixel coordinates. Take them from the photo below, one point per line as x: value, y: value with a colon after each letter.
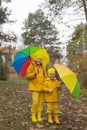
x: 50, y: 119
x: 39, y: 118
x: 34, y: 117
x: 56, y: 119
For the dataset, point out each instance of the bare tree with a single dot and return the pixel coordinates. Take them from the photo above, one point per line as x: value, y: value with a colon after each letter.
x: 85, y: 9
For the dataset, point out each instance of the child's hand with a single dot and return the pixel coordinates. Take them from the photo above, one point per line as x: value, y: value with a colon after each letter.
x: 51, y: 90
x: 58, y: 85
x: 35, y: 72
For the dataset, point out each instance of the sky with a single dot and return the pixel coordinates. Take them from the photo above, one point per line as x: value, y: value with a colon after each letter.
x: 21, y: 9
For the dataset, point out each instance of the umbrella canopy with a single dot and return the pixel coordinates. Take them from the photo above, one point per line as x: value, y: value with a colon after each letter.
x: 69, y: 78
x: 23, y: 58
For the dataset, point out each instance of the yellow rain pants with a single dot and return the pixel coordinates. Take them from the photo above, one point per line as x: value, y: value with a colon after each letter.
x: 37, y: 101
x: 52, y: 107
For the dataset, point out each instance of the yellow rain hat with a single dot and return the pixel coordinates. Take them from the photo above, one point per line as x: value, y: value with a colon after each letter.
x: 51, y: 71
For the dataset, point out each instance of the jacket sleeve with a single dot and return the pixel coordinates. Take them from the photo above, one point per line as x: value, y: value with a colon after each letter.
x: 45, y: 86
x: 30, y: 72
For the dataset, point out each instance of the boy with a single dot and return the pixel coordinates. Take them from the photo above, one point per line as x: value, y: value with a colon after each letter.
x: 51, y: 86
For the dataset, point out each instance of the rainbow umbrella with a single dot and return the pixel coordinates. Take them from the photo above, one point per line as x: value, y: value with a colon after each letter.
x: 23, y: 58
x: 69, y: 78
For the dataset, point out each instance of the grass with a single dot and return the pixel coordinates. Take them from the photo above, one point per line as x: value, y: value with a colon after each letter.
x: 15, y: 108
x: 14, y: 81
x: 14, y: 104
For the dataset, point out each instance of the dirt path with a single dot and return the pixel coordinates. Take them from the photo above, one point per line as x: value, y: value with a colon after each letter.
x: 15, y: 104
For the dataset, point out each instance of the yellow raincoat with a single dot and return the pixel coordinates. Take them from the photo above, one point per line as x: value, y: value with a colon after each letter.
x: 51, y: 85
x: 35, y: 80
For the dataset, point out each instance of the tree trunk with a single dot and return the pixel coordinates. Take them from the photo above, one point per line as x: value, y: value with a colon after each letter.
x: 0, y: 2
x: 85, y: 9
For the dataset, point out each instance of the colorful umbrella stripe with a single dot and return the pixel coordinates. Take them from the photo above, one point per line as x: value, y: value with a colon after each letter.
x: 23, y: 58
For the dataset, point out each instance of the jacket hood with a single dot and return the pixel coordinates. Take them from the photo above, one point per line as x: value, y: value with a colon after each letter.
x: 51, y: 71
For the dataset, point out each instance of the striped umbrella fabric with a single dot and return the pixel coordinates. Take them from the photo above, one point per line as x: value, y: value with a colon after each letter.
x: 23, y: 58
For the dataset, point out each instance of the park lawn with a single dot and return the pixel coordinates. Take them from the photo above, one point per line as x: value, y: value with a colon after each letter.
x: 15, y: 108
x: 15, y: 101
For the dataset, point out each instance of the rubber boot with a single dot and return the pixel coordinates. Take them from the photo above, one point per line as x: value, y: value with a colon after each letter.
x: 56, y: 119
x: 34, y: 117
x: 50, y: 119
x: 39, y: 118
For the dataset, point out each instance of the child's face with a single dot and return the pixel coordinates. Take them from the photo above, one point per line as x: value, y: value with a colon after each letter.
x: 38, y: 61
x: 52, y: 76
